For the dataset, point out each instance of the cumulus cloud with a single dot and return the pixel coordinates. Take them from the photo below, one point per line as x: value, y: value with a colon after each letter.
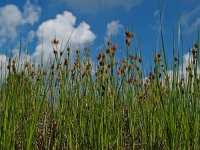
x: 31, y: 35
x: 62, y: 27
x: 91, y: 6
x: 191, y: 20
x: 11, y: 18
x: 113, y: 28
x: 31, y: 13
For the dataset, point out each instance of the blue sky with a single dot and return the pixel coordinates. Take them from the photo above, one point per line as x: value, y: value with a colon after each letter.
x: 92, y: 21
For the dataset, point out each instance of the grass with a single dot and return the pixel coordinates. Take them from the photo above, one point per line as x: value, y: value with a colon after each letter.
x: 66, y: 106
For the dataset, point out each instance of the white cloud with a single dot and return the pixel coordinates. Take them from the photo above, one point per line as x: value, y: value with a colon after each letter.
x: 11, y: 18
x: 156, y: 20
x: 191, y: 20
x: 113, y: 28
x: 2, y: 61
x: 31, y: 13
x: 91, y: 6
x: 31, y: 35
x: 2, y: 66
x: 62, y: 27
x: 2, y: 58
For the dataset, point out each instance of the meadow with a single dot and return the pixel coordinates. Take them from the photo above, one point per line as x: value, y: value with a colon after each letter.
x: 72, y: 104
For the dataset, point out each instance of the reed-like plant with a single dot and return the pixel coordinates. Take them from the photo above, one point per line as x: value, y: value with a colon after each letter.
x: 70, y: 104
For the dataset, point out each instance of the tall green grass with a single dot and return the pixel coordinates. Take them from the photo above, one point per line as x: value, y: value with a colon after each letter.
x: 67, y: 106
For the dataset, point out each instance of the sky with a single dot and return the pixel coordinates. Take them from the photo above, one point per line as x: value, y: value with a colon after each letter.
x: 92, y: 22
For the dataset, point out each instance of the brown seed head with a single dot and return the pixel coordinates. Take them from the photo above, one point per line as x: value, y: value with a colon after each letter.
x: 158, y: 57
x: 162, y: 65
x: 129, y: 34
x: 123, y: 69
x: 108, y: 50
x: 103, y: 55
x: 77, y: 63
x: 61, y: 53
x: 116, y: 63
x: 32, y: 74
x: 176, y: 59
x: 109, y: 66
x: 99, y: 56
x: 86, y: 49
x: 55, y: 52
x: 55, y: 42
x: 52, y: 67
x: 22, y: 73
x: 160, y: 75
x: 65, y: 62
x: 128, y: 43
x: 126, y: 33
x: 130, y: 80
x: 68, y: 49
x: 44, y: 73
x: 101, y: 63
x: 77, y: 52
x: 140, y: 60
x: 88, y: 67
x: 114, y: 47
x: 188, y: 68
x: 124, y: 61
x: 130, y: 67
x: 27, y: 65
x: 109, y: 43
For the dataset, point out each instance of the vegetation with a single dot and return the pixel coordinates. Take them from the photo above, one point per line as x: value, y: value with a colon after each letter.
x: 110, y: 106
